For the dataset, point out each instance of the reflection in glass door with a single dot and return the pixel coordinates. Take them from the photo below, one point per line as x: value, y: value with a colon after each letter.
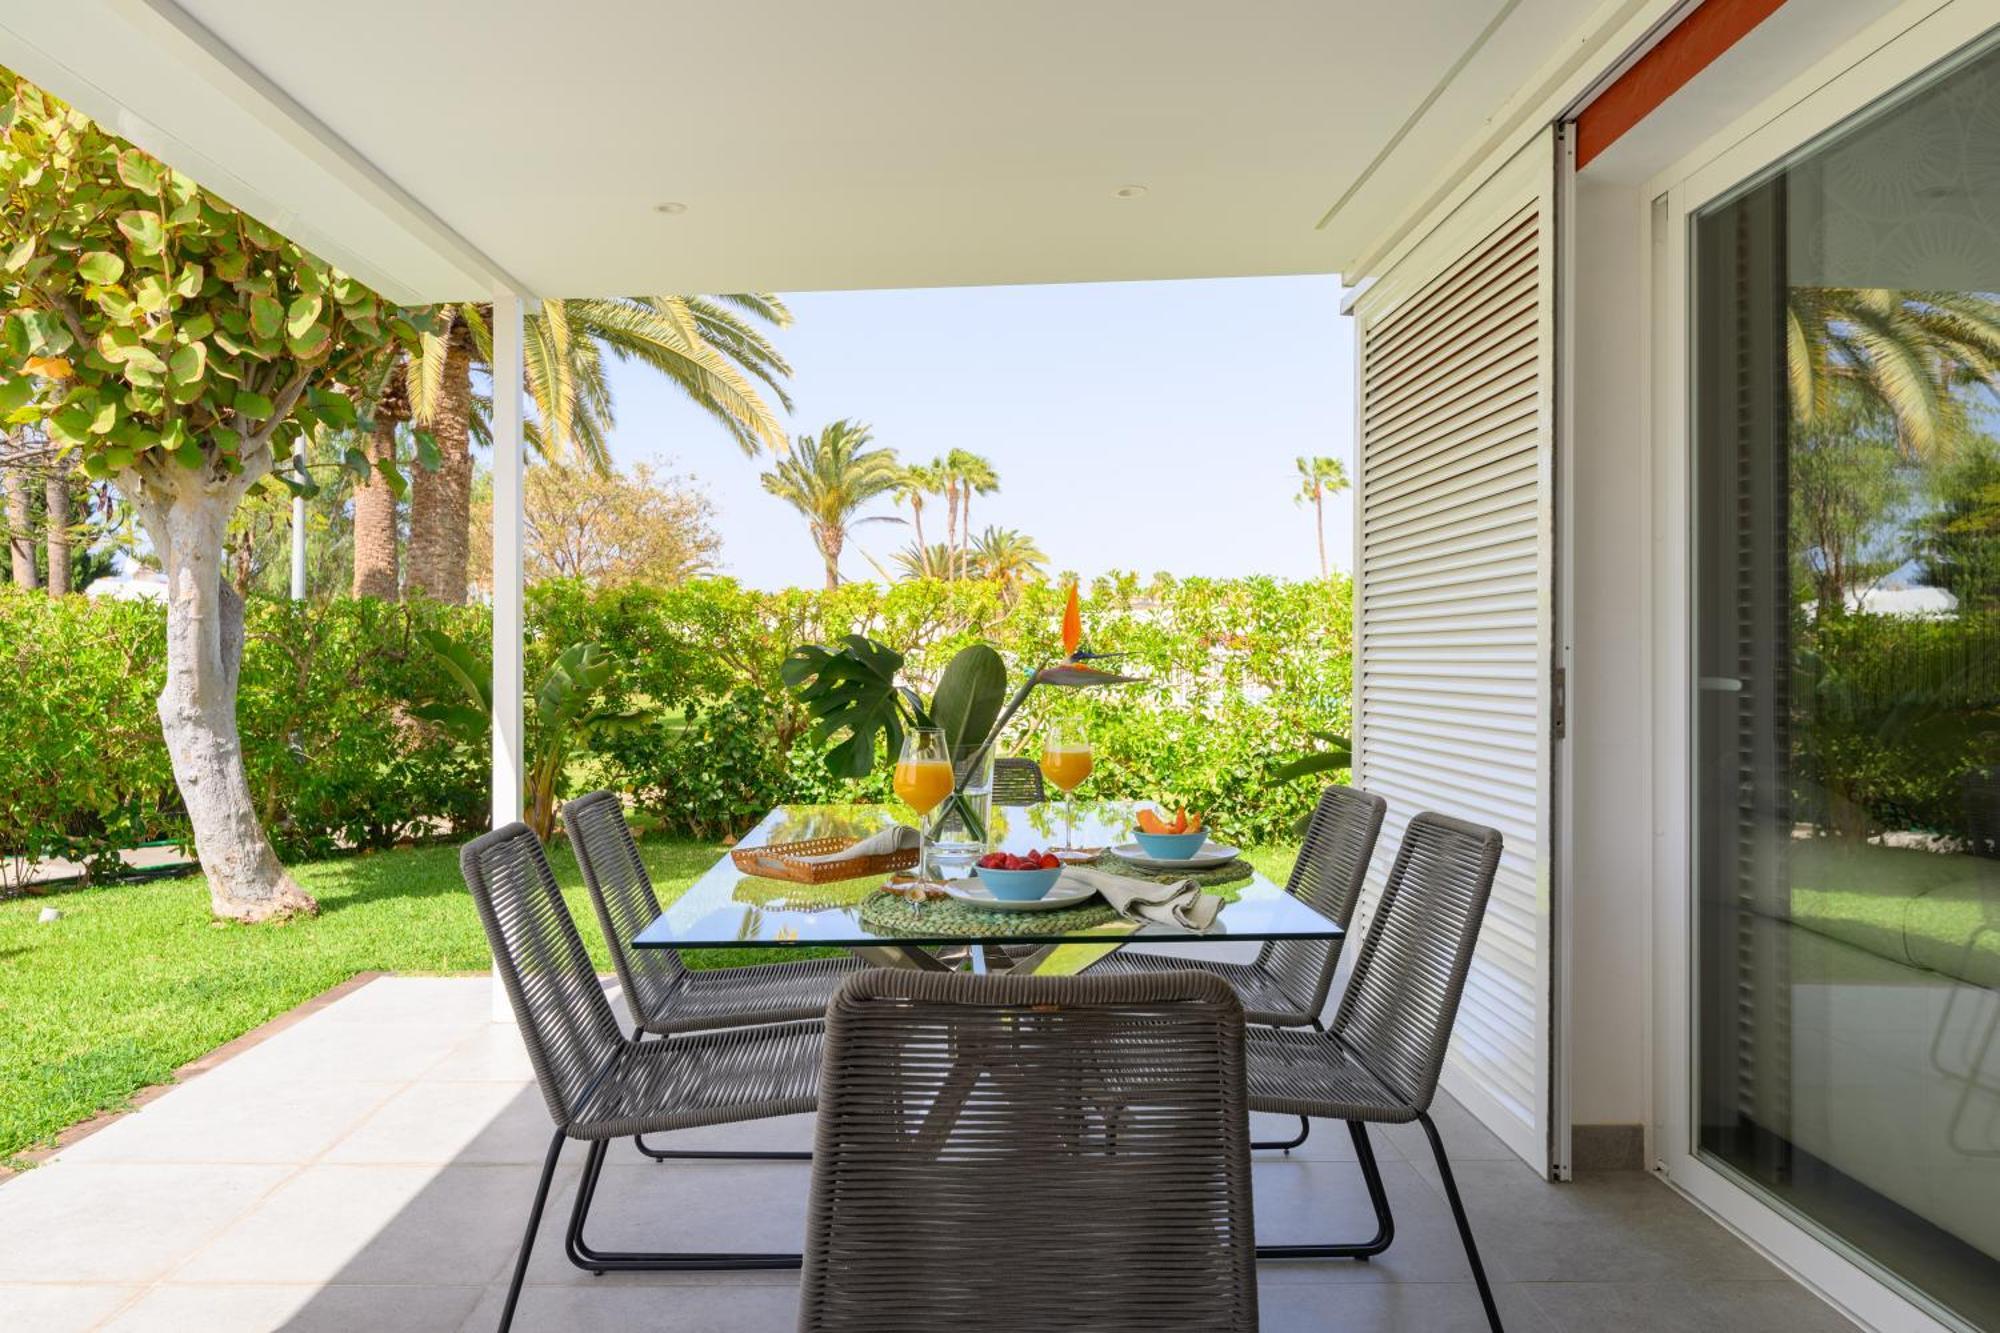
x: 1846, y: 348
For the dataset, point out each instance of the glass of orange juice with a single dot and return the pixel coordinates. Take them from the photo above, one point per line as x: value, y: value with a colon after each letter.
x: 1066, y: 760
x: 923, y: 779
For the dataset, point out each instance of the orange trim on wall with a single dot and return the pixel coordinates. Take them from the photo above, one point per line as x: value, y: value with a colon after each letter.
x: 1693, y: 45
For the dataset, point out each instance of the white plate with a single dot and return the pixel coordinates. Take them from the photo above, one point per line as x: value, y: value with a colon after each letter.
x: 974, y: 894
x: 1211, y: 854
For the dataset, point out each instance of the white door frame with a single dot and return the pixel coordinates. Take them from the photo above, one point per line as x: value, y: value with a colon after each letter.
x: 1881, y: 59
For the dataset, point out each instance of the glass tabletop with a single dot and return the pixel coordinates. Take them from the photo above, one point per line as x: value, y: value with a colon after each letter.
x: 727, y: 909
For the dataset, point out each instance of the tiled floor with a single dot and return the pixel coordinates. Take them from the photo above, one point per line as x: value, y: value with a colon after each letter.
x: 370, y: 1168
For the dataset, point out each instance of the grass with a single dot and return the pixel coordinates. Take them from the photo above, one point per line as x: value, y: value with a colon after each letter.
x: 136, y: 980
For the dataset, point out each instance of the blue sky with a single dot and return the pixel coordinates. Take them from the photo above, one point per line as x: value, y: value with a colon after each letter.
x: 1146, y: 426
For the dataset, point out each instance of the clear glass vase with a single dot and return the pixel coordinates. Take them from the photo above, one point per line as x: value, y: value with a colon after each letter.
x: 961, y: 830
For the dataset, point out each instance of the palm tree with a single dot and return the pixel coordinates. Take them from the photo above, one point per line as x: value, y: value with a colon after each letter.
x: 1905, y: 350
x: 375, y: 556
x: 1007, y: 555
x: 827, y: 478
x: 708, y: 345
x: 972, y: 474
x: 1319, y: 478
x: 920, y: 561
x: 915, y: 484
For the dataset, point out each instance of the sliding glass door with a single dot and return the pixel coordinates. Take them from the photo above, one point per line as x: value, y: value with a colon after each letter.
x: 1845, y: 346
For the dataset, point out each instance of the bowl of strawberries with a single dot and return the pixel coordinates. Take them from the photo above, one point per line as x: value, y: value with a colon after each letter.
x: 1018, y: 878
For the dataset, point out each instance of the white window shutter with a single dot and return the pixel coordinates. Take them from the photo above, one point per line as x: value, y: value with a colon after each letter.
x: 1453, y: 596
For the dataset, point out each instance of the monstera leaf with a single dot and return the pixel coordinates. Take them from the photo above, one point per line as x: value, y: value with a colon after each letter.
x: 852, y: 689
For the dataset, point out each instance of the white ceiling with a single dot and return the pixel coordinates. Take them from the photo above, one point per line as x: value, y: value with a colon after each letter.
x: 431, y: 147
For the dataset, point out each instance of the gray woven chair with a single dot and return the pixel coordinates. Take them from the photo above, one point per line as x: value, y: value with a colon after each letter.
x: 1287, y: 983
x: 664, y: 994
x: 1003, y: 1152
x: 1018, y: 782
x: 600, y: 1085
x: 1378, y: 1062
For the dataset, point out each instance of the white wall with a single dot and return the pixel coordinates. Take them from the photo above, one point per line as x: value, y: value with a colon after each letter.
x: 1611, y: 830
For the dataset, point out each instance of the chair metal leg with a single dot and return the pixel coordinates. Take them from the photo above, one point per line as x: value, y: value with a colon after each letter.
x: 534, y: 1225
x: 714, y: 1155
x: 1378, y: 1198
x: 638, y: 1261
x: 1305, y: 1129
x: 1464, y: 1226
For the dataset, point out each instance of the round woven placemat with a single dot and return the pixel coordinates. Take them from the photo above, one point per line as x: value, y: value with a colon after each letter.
x: 893, y: 914
x: 1229, y: 872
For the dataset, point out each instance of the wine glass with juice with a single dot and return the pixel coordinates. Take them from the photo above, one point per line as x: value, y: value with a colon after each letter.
x: 923, y: 779
x: 1066, y: 762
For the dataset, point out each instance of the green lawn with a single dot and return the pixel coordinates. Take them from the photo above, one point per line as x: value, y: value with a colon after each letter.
x: 136, y: 979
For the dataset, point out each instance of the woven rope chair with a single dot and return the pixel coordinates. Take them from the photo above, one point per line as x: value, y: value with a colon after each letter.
x: 1287, y: 983
x: 1378, y: 1062
x: 1018, y: 782
x: 1006, y: 1152
x: 598, y: 1084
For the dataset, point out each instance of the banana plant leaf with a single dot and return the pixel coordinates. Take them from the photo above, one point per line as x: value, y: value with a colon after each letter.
x: 968, y: 698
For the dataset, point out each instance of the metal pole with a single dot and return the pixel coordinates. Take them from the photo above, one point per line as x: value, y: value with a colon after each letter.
x: 509, y: 448
x: 299, y: 529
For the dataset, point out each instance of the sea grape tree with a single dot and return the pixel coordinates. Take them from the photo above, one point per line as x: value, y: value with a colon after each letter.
x: 177, y: 347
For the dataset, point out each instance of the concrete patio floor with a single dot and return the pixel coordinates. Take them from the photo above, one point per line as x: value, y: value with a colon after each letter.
x: 370, y: 1167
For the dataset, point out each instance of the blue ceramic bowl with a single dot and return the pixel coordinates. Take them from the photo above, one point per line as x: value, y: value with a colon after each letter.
x: 1018, y: 886
x: 1170, y: 846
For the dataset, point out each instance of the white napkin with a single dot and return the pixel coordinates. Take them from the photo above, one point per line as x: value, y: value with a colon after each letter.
x: 895, y: 838
x: 1181, y: 903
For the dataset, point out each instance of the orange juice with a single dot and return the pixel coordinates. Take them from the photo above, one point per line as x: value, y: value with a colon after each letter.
x: 922, y: 783
x: 1066, y: 765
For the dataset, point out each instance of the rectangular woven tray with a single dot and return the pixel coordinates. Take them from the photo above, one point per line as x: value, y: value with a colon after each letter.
x: 781, y: 860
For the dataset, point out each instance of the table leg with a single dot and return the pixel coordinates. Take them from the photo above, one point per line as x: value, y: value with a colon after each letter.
x: 896, y: 955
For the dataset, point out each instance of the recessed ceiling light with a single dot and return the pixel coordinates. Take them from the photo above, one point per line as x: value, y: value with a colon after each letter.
x: 670, y: 209
x: 1129, y: 191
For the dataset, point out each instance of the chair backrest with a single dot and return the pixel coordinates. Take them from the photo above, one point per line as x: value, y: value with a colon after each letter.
x: 1018, y: 782
x: 1402, y: 997
x: 1979, y: 791
x: 1330, y: 872
x: 1031, y: 1152
x: 558, y: 1001
x: 621, y: 892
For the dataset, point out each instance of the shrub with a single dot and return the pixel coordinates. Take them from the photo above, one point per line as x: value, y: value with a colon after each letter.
x: 1237, y: 673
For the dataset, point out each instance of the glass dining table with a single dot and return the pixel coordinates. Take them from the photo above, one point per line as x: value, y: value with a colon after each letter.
x: 726, y: 908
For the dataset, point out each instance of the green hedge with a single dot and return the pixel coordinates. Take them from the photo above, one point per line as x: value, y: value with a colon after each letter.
x: 1238, y: 673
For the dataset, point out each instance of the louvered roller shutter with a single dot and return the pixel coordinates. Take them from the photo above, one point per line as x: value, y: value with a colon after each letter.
x: 1453, y: 604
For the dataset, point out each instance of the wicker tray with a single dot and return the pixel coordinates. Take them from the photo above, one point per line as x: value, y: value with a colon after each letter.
x: 781, y: 860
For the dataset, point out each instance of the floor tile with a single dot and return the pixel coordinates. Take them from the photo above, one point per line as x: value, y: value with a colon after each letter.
x: 59, y: 1307
x: 456, y: 1000
x: 614, y: 1304
x: 456, y: 1225
x: 1676, y: 1306
x: 1306, y: 1202
x: 322, y: 1050
x: 126, y: 1223
x: 1430, y: 1307
x: 210, y: 1120
x: 266, y: 1307
x: 463, y: 1123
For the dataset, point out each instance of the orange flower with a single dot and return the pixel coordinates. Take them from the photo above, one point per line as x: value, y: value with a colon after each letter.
x: 1072, y: 624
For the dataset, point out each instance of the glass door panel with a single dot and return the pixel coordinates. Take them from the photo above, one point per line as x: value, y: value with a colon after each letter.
x: 1846, y: 348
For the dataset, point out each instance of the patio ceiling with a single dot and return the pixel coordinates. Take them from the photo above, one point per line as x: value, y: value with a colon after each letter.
x: 438, y: 148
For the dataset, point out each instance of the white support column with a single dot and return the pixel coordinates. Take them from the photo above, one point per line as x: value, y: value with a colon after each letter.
x: 299, y: 530
x: 509, y: 448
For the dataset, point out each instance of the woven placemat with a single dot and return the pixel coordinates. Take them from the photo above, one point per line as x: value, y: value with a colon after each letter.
x: 1211, y: 877
x: 892, y: 914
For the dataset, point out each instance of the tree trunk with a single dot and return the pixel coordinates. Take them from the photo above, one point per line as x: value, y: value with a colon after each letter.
x: 375, y: 573
x: 55, y: 505
x: 917, y: 514
x: 20, y: 528
x: 829, y: 550
x: 441, y: 501
x: 1319, y: 524
x: 198, y: 706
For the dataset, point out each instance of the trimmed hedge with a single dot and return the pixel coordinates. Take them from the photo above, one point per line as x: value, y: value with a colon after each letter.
x: 1239, y: 672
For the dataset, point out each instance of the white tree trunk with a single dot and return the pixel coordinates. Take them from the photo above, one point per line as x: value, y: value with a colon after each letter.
x: 55, y: 503
x: 20, y: 531
x: 187, y: 517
